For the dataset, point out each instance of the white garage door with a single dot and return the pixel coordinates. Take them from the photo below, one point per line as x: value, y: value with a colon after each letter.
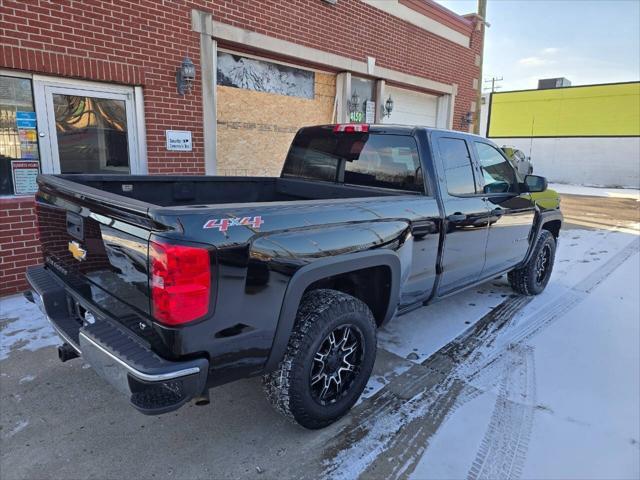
x: 411, y: 108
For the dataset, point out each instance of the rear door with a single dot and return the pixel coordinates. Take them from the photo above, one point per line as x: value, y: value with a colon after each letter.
x: 466, y: 212
x: 512, y: 212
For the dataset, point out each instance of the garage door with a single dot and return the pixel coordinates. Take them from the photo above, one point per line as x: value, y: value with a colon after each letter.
x: 411, y: 108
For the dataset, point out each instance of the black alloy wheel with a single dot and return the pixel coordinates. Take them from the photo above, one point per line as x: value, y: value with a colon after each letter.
x: 543, y: 262
x: 336, y: 364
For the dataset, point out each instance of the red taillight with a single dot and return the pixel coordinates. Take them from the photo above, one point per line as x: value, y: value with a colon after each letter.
x: 351, y: 128
x: 180, y: 278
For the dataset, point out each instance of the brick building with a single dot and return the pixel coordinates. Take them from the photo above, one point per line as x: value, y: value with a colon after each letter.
x: 89, y: 86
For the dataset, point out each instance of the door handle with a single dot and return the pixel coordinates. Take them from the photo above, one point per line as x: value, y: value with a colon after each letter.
x: 420, y: 229
x: 457, y: 217
x: 497, y: 212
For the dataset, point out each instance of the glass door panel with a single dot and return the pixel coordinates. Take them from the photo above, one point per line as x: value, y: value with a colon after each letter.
x: 87, y: 129
x: 91, y: 134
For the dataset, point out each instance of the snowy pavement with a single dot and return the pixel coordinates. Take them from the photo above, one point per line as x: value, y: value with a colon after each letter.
x: 484, y: 384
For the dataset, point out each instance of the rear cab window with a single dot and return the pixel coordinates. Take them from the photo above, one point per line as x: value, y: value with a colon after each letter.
x: 356, y: 158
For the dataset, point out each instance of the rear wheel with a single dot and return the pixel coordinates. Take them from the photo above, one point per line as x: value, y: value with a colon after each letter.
x: 532, y: 278
x: 328, y: 360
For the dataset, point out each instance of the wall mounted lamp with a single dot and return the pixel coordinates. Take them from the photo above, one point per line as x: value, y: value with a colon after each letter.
x: 387, y: 108
x: 354, y: 103
x: 467, y: 119
x: 185, y: 75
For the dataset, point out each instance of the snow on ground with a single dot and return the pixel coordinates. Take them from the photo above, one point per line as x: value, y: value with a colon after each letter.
x: 568, y: 189
x: 23, y: 327
x: 575, y: 416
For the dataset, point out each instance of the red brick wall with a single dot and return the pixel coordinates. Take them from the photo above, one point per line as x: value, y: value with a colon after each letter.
x: 142, y: 42
x: 19, y: 245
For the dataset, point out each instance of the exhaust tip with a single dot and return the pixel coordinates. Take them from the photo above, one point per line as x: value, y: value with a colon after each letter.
x: 67, y: 352
x: 202, y: 399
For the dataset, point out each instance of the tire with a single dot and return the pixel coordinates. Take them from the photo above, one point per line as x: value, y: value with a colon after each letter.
x: 532, y: 278
x: 298, y: 387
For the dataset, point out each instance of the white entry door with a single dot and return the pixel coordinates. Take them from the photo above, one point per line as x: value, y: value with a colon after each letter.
x: 87, y: 128
x: 411, y: 107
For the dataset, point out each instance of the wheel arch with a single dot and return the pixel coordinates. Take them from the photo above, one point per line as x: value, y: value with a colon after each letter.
x: 328, y: 268
x: 553, y: 226
x: 550, y: 220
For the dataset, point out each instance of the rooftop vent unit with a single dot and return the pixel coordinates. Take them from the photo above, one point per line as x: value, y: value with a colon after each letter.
x: 553, y: 83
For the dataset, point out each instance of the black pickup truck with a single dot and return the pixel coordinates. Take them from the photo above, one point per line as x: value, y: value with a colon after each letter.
x: 170, y: 285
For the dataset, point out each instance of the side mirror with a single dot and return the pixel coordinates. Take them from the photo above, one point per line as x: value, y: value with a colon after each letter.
x: 535, y: 183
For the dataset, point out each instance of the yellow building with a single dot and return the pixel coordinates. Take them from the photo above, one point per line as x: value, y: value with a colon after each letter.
x: 583, y: 134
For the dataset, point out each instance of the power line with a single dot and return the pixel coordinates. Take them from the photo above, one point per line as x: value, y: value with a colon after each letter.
x: 493, y: 82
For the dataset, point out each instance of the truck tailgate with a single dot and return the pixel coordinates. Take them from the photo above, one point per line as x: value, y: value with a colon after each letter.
x: 99, y: 251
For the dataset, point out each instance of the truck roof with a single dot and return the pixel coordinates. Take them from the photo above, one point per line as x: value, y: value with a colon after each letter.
x: 391, y: 128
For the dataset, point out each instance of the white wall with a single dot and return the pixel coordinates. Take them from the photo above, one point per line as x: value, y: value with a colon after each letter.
x: 601, y: 161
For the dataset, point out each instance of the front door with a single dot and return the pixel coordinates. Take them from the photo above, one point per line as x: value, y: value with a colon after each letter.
x: 85, y: 128
x: 512, y: 212
x: 466, y: 214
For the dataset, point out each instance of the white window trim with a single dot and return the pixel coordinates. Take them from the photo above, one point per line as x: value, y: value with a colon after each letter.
x: 14, y: 73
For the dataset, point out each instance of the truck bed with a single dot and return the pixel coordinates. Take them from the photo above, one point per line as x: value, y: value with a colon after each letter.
x: 170, y: 191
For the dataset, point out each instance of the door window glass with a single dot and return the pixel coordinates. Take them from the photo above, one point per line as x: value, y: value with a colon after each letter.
x: 457, y: 166
x: 19, y: 154
x: 499, y: 176
x: 92, y: 134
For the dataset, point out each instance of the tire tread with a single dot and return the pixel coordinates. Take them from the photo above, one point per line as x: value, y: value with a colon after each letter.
x: 316, y: 306
x: 521, y: 279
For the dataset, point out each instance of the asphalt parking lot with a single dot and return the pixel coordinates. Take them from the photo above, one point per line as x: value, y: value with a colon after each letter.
x: 485, y: 384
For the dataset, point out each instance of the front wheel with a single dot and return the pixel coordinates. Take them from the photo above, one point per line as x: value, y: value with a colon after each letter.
x: 532, y: 277
x: 328, y: 360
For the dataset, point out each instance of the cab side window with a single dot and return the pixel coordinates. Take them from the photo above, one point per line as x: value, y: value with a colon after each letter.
x: 457, y: 166
x: 499, y: 176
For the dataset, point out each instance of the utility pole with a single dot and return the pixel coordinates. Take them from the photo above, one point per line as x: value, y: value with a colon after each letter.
x: 482, y: 13
x: 493, y: 81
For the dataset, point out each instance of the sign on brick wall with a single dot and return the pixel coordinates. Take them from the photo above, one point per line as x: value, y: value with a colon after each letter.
x: 179, y: 140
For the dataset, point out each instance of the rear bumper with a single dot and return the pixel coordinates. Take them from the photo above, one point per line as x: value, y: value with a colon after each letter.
x: 154, y: 385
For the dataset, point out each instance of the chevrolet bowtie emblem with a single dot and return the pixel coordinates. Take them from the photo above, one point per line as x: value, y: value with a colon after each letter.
x: 77, y: 251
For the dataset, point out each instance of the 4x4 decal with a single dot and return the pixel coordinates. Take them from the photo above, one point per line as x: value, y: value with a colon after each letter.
x: 223, y: 224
